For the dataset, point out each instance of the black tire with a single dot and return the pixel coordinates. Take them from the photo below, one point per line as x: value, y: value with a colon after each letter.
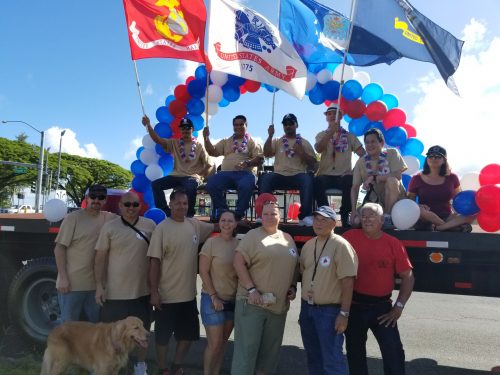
x: 32, y: 301
x: 7, y: 273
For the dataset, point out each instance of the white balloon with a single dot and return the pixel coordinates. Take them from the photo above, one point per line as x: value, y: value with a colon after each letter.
x: 470, y: 181
x: 212, y: 109
x: 214, y: 94
x: 149, y: 156
x: 362, y: 77
x: 412, y: 163
x: 219, y: 78
x: 148, y: 142
x: 154, y: 172
x: 348, y: 73
x: 311, y: 81
x: 54, y: 210
x: 324, y: 75
x: 405, y: 213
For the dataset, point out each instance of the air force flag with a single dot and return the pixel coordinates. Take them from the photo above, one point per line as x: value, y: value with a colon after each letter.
x: 244, y: 43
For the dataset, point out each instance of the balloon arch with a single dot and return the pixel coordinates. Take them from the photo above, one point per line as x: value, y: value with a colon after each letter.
x: 364, y: 103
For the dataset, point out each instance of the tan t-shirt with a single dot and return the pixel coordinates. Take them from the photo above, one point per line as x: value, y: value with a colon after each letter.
x: 225, y: 148
x: 272, y: 261
x: 341, y: 165
x: 396, y: 163
x: 289, y: 166
x: 175, y: 244
x: 221, y: 255
x: 187, y: 167
x: 336, y: 261
x: 127, y: 265
x: 79, y: 232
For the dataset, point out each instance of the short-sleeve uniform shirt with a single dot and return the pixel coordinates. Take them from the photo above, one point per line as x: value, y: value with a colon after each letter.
x: 127, y: 265
x: 225, y: 147
x: 184, y: 167
x: 289, y: 166
x: 79, y: 232
x: 175, y: 244
x: 340, y: 165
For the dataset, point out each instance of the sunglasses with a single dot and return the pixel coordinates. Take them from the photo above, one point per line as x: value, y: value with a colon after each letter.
x: 435, y: 156
x: 100, y: 197
x: 131, y: 204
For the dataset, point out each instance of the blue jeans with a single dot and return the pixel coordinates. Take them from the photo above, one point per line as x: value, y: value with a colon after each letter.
x: 190, y: 184
x: 242, y: 181
x: 344, y: 183
x: 362, y: 318
x: 301, y: 181
x: 211, y: 317
x: 72, y: 305
x: 322, y: 344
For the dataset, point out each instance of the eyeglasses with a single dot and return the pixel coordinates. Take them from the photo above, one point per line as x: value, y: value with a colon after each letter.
x: 100, y: 197
x: 435, y: 156
x: 131, y: 204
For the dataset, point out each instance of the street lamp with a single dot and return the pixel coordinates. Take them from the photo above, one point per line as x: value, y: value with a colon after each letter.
x: 40, y: 163
x: 47, y: 184
x: 59, y: 162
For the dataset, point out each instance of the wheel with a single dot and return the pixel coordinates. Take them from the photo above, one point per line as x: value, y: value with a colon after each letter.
x: 7, y: 273
x: 32, y: 301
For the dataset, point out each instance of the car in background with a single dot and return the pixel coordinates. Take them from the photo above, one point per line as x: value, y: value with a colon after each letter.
x: 22, y: 209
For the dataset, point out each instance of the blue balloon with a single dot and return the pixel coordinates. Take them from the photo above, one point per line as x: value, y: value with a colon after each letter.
x: 196, y: 88
x: 413, y: 146
x: 195, y: 106
x: 201, y: 73
x: 195, y: 134
x: 155, y: 214
x: 359, y: 126
x: 347, y: 118
x: 315, y: 68
x: 198, y: 122
x: 421, y: 158
x: 235, y: 80
x: 163, y: 130
x: 138, y: 167
x: 396, y: 136
x: 352, y: 89
x: 330, y: 90
x: 377, y: 125
x: 372, y: 92
x: 138, y: 152
x: 163, y: 115
x: 464, y: 203
x: 316, y: 94
x: 391, y: 101
x: 270, y: 88
x: 331, y: 66
x: 406, y: 180
x: 148, y: 197
x: 140, y: 183
x: 166, y: 162
x: 230, y: 92
x: 160, y: 151
x: 223, y: 103
x: 169, y: 99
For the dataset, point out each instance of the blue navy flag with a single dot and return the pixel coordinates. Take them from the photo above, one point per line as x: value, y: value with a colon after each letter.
x: 410, y: 33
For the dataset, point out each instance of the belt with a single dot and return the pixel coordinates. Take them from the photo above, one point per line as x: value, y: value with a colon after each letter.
x: 322, y: 305
x: 367, y: 299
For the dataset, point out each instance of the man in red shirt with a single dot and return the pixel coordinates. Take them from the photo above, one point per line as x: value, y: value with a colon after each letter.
x: 380, y: 256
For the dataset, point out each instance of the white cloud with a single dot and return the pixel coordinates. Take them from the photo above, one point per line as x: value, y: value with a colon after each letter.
x: 133, y: 145
x: 148, y: 91
x: 70, y: 144
x: 185, y: 69
x: 466, y: 126
x: 473, y: 35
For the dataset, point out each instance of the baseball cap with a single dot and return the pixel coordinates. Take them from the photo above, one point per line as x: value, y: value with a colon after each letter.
x: 332, y: 108
x: 186, y: 123
x: 326, y: 211
x: 289, y: 117
x: 437, y: 150
x: 97, y: 190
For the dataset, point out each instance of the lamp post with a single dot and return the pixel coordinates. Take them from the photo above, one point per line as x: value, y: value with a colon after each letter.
x: 47, y: 184
x: 40, y: 163
x: 59, y: 161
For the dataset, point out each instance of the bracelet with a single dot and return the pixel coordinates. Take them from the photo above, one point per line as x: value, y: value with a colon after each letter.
x: 251, y: 290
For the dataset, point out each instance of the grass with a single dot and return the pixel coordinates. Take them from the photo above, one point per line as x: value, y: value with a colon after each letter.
x: 20, y: 366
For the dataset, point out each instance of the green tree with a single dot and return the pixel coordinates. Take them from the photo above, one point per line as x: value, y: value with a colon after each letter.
x: 77, y: 173
x: 22, y: 137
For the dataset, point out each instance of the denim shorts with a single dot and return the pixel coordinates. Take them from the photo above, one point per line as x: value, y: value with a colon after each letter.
x: 210, y: 317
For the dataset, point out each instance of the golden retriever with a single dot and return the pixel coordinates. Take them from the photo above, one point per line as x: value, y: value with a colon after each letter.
x: 102, y: 347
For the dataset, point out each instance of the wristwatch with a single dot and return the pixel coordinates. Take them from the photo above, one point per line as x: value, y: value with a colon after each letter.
x: 345, y: 314
x: 399, y: 305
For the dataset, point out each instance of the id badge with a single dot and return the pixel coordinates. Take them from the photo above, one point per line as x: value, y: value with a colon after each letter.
x: 310, y: 297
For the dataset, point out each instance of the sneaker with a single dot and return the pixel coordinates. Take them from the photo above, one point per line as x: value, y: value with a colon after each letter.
x: 140, y: 368
x: 388, y: 224
x: 307, y: 221
x: 258, y: 220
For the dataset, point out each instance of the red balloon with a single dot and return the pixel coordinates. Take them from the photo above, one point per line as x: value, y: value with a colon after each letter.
x: 293, y: 211
x: 375, y: 111
x: 395, y: 117
x: 356, y: 108
x: 410, y: 130
x: 181, y: 93
x: 243, y: 90
x: 328, y: 102
x: 489, y: 222
x: 488, y: 199
x: 189, y: 79
x: 176, y: 131
x: 177, y: 108
x: 490, y: 175
x: 251, y: 86
x: 259, y: 202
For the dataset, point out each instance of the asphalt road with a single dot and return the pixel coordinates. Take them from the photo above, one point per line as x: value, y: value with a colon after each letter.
x: 442, y: 335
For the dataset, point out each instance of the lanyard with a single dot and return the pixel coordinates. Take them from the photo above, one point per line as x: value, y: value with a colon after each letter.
x: 316, y: 260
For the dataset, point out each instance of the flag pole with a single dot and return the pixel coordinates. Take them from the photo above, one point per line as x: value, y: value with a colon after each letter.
x: 274, y: 91
x: 139, y: 88
x: 354, y: 6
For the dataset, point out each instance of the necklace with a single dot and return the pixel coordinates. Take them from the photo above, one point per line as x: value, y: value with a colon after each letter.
x: 182, y: 150
x: 382, y: 165
x: 241, y: 147
x: 289, y: 152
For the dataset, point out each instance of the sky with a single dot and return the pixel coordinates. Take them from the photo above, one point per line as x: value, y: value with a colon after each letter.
x: 67, y: 65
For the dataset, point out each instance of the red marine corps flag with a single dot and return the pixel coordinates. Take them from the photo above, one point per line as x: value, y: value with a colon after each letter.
x: 166, y: 28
